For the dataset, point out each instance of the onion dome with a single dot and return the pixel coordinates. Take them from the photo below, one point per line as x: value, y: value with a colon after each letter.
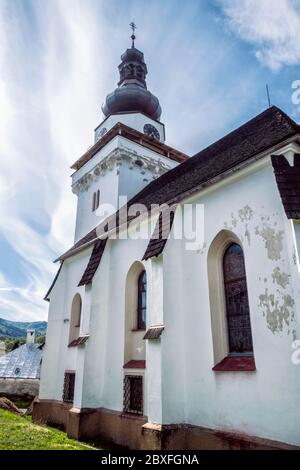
x: 132, y: 95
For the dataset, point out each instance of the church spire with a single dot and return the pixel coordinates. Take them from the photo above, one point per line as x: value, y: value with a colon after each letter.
x: 132, y: 95
x: 133, y: 36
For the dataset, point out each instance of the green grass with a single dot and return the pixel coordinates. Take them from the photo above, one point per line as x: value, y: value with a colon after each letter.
x: 19, y: 433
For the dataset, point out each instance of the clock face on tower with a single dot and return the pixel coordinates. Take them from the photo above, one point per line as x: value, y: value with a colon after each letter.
x: 151, y: 131
x: 100, y: 133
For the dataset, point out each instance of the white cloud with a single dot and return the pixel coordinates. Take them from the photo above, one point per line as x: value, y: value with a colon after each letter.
x: 272, y: 27
x: 47, y: 115
x: 58, y: 62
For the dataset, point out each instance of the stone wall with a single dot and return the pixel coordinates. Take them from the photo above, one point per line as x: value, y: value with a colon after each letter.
x: 19, y: 388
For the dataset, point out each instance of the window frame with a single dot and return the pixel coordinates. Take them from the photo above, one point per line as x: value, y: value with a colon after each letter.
x: 128, y: 399
x: 75, y: 318
x: 217, y: 302
x: 229, y: 314
x: 141, y: 288
x: 69, y: 386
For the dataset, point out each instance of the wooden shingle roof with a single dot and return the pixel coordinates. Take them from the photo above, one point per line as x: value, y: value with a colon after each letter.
x: 161, y: 233
x: 93, y: 263
x: 263, y: 132
x: 288, y: 182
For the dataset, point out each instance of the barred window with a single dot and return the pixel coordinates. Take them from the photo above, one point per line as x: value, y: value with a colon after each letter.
x: 133, y: 394
x: 69, y: 386
x: 237, y: 304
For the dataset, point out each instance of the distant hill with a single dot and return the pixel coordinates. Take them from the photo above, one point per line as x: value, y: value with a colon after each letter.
x: 17, y: 329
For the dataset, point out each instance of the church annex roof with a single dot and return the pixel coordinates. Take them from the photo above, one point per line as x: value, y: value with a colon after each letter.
x: 268, y: 129
x: 288, y: 182
x: 22, y: 363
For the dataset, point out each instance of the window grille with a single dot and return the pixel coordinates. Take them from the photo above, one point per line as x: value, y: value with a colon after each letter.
x: 133, y: 394
x: 69, y: 385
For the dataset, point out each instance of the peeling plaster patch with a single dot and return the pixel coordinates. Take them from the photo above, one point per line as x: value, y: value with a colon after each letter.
x: 277, y: 313
x: 247, y: 235
x: 294, y: 257
x: 273, y: 241
x: 280, y: 278
x: 234, y: 220
x: 246, y: 214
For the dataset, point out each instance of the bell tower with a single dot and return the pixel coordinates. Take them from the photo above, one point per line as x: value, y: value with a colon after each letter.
x: 129, y: 148
x: 131, y: 103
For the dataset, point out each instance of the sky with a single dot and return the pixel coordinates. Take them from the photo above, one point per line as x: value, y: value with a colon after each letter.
x: 208, y: 62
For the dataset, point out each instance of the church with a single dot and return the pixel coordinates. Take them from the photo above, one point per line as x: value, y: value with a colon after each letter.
x: 174, y: 318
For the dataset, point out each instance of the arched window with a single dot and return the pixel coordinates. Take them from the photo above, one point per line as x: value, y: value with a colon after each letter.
x: 75, y: 318
x: 142, y: 300
x: 237, y: 304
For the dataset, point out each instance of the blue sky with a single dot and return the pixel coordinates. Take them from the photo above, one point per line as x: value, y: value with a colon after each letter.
x: 208, y: 62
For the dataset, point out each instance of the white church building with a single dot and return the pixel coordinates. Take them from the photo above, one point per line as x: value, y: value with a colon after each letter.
x: 158, y: 340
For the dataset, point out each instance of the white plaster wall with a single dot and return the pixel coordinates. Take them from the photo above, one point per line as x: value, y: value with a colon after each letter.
x: 264, y: 402
x: 297, y: 240
x: 57, y: 357
x: 133, y: 120
x: 121, y: 179
x: 182, y: 386
x: 104, y: 360
x: 86, y: 218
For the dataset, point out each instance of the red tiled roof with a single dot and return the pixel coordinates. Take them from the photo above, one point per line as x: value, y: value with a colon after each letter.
x: 288, y: 182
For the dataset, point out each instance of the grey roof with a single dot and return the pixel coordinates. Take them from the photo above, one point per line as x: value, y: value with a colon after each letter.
x: 22, y: 363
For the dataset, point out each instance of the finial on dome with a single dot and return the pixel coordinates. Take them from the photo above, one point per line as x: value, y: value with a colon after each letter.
x: 133, y: 37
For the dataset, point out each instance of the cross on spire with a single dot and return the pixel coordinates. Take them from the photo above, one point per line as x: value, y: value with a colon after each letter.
x: 133, y: 27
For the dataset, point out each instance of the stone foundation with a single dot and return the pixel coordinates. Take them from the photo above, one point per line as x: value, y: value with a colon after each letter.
x: 134, y: 432
x: 188, y: 437
x: 97, y: 424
